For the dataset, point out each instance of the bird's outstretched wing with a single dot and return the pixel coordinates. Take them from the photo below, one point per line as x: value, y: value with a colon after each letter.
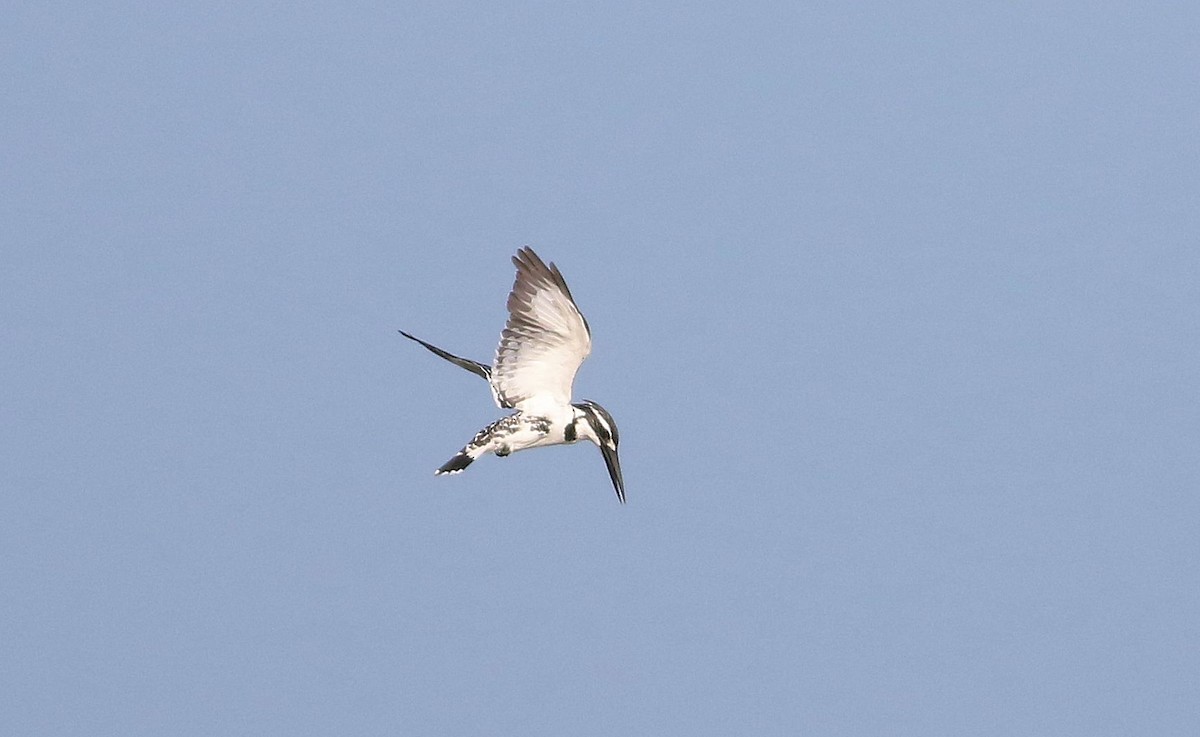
x: 475, y: 367
x: 544, y: 341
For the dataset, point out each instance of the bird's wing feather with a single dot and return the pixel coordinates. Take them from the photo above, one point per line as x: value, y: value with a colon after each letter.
x: 479, y: 369
x: 543, y: 343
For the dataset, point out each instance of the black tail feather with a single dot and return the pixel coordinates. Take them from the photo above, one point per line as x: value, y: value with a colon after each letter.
x: 455, y: 464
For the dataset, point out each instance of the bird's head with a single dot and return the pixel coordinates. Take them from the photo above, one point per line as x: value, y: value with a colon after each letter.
x: 599, y: 427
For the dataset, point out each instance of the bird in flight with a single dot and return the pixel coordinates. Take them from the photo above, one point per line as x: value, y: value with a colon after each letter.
x: 541, y: 348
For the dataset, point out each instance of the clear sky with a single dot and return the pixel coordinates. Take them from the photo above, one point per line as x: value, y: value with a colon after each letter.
x: 897, y: 306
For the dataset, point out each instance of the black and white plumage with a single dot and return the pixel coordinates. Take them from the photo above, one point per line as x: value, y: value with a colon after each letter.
x: 541, y: 348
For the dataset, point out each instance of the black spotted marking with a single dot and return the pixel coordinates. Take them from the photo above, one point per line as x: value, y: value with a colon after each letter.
x: 569, y: 433
x: 506, y: 426
x: 501, y: 428
x: 494, y: 435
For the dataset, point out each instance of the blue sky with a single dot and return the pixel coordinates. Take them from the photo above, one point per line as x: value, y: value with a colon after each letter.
x: 896, y: 308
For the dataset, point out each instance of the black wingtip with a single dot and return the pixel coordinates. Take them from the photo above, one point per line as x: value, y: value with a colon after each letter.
x: 481, y: 370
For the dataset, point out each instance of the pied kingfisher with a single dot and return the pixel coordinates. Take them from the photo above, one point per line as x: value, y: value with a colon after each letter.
x: 541, y: 348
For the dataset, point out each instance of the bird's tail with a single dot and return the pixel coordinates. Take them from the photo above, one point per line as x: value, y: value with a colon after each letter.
x: 483, y: 442
x: 461, y: 460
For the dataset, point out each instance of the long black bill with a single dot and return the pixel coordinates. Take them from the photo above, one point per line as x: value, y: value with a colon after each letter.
x: 614, y: 471
x: 475, y: 367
